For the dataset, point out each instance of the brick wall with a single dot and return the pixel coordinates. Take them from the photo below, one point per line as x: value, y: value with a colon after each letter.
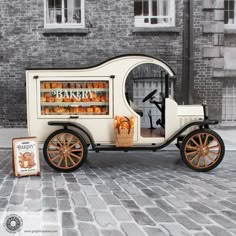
x: 23, y: 44
x: 208, y: 55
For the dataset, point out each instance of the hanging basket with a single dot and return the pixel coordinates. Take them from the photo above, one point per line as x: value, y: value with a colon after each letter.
x: 124, y: 137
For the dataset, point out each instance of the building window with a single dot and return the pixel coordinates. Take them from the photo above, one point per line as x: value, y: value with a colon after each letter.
x: 230, y: 13
x: 64, y: 13
x: 154, y: 13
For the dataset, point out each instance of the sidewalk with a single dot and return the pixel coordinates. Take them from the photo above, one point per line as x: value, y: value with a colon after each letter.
x: 6, y: 135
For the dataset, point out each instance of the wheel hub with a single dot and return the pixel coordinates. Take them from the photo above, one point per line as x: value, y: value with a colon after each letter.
x: 64, y: 151
x: 203, y: 150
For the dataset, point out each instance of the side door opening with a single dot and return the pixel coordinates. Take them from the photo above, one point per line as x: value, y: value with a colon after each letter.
x: 149, y: 79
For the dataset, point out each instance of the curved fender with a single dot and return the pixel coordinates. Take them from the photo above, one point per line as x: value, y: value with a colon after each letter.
x: 76, y: 125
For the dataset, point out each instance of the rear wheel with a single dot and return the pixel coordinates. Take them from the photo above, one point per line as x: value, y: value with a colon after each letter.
x: 202, y: 150
x: 65, y: 150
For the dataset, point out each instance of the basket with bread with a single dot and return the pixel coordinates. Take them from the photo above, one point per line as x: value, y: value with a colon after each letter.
x: 124, y: 131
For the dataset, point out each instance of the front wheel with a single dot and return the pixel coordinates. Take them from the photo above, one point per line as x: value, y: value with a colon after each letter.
x: 202, y: 150
x: 65, y: 150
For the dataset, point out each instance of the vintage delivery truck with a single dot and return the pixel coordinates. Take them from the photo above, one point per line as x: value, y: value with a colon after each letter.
x: 73, y: 110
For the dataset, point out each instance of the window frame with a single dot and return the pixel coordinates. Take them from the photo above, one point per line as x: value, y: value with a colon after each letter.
x: 172, y: 12
x: 64, y: 25
x: 74, y: 79
x: 233, y: 25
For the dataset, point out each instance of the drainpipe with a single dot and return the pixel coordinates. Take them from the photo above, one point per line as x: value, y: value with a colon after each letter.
x: 188, y: 52
x: 191, y: 52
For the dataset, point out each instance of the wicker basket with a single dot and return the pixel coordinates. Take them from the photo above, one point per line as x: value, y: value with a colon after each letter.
x: 124, y: 137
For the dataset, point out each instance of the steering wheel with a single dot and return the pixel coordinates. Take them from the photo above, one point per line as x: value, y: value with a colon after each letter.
x: 149, y: 95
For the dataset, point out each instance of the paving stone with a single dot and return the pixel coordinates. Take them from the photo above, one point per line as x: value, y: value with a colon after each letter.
x: 121, y: 213
x: 102, y: 189
x: 84, y: 181
x: 187, y: 222
x: 139, y: 185
x: 50, y: 217
x: 131, y: 229
x: 83, y: 214
x: 89, y: 190
x: 16, y: 199
x: 88, y: 229
x: 201, y: 208
x: 48, y: 191
x: 212, y: 204
x: 177, y: 203
x: 64, y: 205
x: 8, y: 183
x: 59, y: 182
x: 3, y: 202
x: 131, y: 190
x: 228, y: 204
x: 33, y: 194
x: 70, y: 232
x: 62, y: 194
x: 182, y: 196
x: 19, y: 190
x: 165, y: 206
x: 67, y: 220
x: 218, y: 231
x: 96, y: 180
x: 78, y: 199
x: 121, y: 195
x: 176, y: 230
x: 143, y: 201
x: 50, y: 202
x: 5, y: 191
x: 130, y: 204
x: 230, y: 214
x: 104, y: 219
x: 15, y: 208
x: 110, y: 199
x: 160, y: 191
x: 197, y: 217
x: 33, y: 205
x: 141, y: 218
x: 35, y: 183
x: 73, y: 187
x: 71, y: 180
x: 223, y: 221
x: 111, y: 233
x: 113, y: 186
x: 154, y: 231
x: 202, y: 234
x: 159, y: 215
x: 150, y: 193
x: 96, y: 203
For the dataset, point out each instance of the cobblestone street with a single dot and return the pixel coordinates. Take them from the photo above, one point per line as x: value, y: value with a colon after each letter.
x: 133, y: 194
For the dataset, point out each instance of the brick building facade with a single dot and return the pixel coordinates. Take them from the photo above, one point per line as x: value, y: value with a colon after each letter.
x: 109, y: 29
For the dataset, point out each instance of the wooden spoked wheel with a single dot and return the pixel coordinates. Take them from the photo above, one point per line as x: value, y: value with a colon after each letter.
x: 202, y: 150
x: 65, y: 150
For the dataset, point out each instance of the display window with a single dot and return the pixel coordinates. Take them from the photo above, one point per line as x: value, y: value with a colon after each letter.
x: 87, y: 97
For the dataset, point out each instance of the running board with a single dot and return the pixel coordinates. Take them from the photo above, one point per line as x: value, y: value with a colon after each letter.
x: 126, y: 149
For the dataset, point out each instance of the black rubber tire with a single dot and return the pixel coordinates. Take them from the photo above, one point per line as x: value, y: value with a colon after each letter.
x: 211, y: 133
x: 70, y: 132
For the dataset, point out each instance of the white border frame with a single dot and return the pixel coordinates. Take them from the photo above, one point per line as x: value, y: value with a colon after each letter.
x: 65, y: 26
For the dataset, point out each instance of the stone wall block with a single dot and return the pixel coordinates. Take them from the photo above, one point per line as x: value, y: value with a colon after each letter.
x: 211, y: 52
x: 213, y: 4
x: 213, y: 27
x: 219, y: 15
x: 218, y: 73
x: 218, y: 63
